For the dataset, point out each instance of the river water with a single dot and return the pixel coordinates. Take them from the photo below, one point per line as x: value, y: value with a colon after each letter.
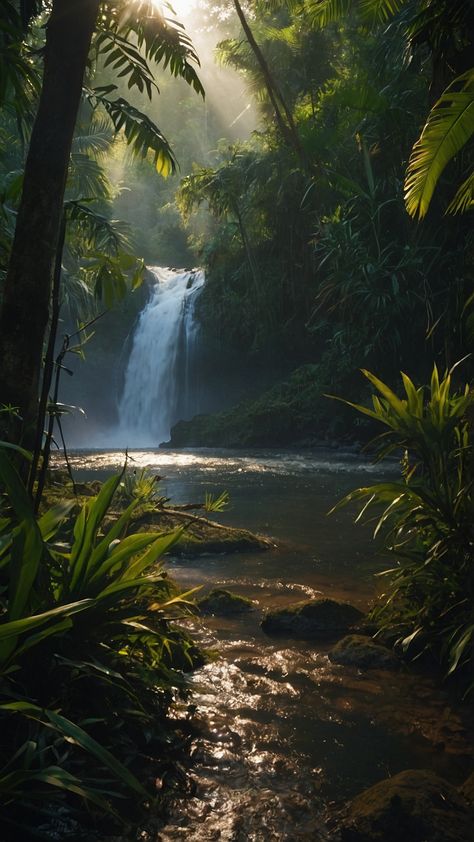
x: 284, y: 735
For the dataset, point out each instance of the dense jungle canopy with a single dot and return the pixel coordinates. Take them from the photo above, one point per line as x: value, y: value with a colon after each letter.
x: 337, y: 233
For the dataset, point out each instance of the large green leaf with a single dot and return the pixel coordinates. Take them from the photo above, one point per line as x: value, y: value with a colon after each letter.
x: 449, y: 126
x: 93, y: 515
x: 74, y: 733
x: 14, y: 628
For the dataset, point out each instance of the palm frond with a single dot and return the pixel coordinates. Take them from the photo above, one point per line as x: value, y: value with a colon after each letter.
x: 158, y: 38
x: 464, y: 198
x: 449, y: 126
x: 99, y: 232
x: 380, y: 11
x: 87, y: 178
x: 93, y: 139
x: 125, y: 58
x: 323, y: 12
x: 141, y: 133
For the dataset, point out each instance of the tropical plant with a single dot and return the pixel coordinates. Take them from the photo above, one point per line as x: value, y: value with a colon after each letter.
x: 445, y: 27
x: 141, y: 486
x: 426, y: 517
x: 99, y: 685
x: 449, y: 127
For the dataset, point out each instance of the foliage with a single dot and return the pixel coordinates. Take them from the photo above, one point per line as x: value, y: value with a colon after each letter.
x: 449, y: 127
x: 426, y: 517
x: 86, y: 651
x: 216, y: 504
x: 141, y: 486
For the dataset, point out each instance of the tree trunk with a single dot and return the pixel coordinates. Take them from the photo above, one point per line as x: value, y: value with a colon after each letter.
x: 27, y: 292
x: 287, y: 127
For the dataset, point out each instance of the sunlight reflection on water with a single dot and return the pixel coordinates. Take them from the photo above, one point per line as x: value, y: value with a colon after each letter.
x: 281, y: 732
x: 259, y: 462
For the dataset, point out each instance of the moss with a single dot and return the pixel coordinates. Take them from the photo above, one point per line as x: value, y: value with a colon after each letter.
x: 202, y: 536
x: 313, y: 619
x: 224, y: 602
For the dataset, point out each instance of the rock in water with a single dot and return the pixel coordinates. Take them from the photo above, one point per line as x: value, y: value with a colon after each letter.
x: 224, y: 603
x: 313, y: 619
x: 358, y: 650
x: 413, y: 806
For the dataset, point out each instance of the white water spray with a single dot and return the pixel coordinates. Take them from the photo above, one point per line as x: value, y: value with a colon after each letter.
x: 159, y: 386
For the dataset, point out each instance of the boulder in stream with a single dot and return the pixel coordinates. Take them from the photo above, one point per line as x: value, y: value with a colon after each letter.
x: 361, y: 651
x: 413, y: 806
x: 202, y: 536
x: 313, y: 619
x: 225, y: 603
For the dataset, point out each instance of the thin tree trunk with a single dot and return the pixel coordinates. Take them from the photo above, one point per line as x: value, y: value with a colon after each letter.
x: 249, y: 252
x: 48, y: 368
x: 287, y: 128
x: 25, y: 311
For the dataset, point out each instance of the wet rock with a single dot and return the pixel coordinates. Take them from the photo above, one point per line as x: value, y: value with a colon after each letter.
x: 225, y: 603
x: 358, y: 650
x: 202, y: 536
x: 313, y: 619
x: 416, y: 806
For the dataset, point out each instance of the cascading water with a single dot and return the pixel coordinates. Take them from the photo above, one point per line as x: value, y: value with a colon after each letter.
x: 159, y: 385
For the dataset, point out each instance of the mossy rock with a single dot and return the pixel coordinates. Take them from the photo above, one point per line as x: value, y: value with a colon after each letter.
x: 358, y: 650
x: 313, y: 619
x: 202, y: 536
x: 225, y: 603
x: 413, y: 806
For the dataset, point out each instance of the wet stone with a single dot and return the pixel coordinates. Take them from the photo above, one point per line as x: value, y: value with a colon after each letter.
x: 416, y: 806
x: 358, y: 650
x: 224, y: 603
x: 314, y: 619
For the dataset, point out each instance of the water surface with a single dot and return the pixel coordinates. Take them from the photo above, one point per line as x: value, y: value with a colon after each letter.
x: 284, y: 734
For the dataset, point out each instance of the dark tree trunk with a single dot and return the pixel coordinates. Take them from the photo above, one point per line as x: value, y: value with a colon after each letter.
x: 26, y: 302
x: 287, y: 126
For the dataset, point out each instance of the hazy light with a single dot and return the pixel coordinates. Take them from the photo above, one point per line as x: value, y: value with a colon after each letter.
x: 183, y: 8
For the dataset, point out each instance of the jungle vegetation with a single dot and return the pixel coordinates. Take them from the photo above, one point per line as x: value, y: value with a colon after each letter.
x: 337, y: 236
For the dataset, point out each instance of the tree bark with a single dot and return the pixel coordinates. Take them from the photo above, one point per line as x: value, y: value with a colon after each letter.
x: 26, y: 302
x: 287, y: 127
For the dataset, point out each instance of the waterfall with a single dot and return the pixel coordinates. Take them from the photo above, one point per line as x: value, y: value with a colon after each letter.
x: 160, y: 384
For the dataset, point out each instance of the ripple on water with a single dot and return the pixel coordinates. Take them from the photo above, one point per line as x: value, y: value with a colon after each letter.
x: 282, y: 732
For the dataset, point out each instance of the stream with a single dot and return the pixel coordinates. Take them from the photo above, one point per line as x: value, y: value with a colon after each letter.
x: 284, y: 735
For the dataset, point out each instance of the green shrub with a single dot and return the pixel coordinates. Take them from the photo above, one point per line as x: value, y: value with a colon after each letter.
x: 87, y: 653
x: 427, y: 517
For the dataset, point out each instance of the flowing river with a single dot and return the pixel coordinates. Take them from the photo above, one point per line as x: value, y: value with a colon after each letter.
x: 284, y: 735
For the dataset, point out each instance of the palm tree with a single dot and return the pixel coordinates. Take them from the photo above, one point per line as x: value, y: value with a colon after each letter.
x: 130, y: 35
